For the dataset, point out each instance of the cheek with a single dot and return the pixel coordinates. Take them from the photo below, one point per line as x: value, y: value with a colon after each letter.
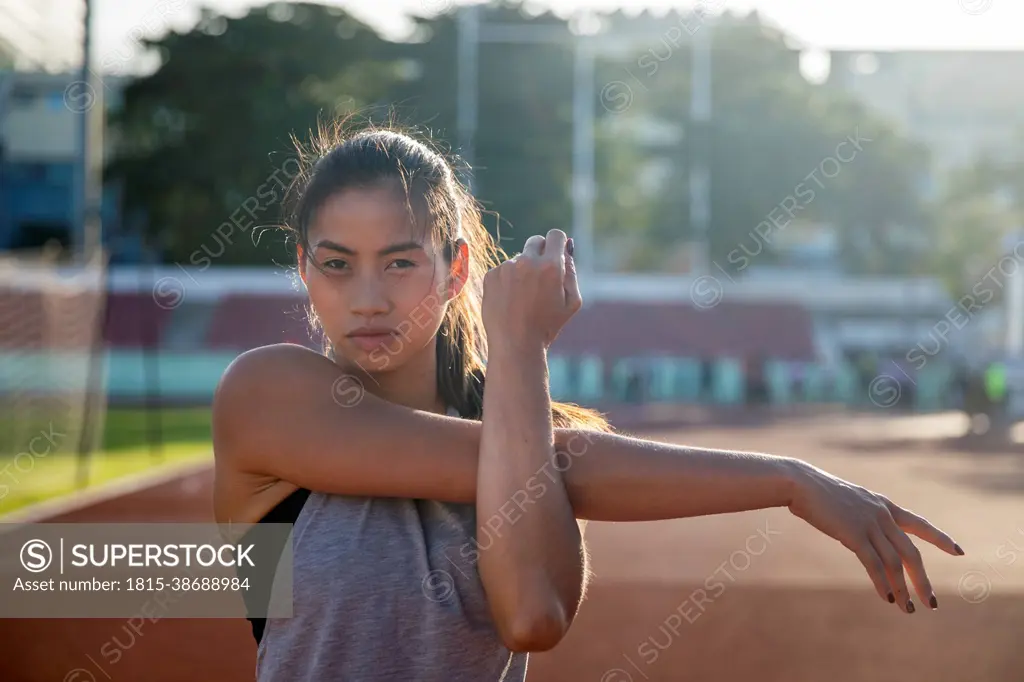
x: 420, y: 309
x: 326, y: 298
x: 318, y: 289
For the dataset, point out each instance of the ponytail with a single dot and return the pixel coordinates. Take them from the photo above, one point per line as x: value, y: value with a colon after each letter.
x: 461, y: 378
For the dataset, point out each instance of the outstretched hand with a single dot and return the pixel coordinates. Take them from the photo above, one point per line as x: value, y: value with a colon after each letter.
x: 873, y: 528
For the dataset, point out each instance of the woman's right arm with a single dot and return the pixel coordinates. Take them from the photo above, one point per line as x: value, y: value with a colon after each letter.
x: 277, y: 416
x: 285, y: 413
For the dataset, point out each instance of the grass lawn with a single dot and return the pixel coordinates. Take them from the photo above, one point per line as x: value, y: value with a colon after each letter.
x: 134, y: 440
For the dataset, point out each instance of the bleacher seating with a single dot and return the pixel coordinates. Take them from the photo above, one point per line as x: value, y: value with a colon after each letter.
x: 241, y: 322
x: 729, y: 330
x: 134, y: 320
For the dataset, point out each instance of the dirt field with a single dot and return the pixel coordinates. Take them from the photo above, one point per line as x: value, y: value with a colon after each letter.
x: 753, y: 596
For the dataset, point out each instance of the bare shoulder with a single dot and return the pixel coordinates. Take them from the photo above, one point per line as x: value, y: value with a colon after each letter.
x: 257, y: 381
x: 269, y: 373
x: 280, y: 361
x: 261, y: 387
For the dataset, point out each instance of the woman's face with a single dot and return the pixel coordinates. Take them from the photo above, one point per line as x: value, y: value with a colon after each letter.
x: 382, y: 287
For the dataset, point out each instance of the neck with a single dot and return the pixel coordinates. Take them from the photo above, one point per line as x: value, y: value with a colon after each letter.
x: 414, y: 384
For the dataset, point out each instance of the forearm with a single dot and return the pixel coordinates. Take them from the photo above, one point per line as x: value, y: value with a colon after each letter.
x: 611, y: 477
x: 531, y: 558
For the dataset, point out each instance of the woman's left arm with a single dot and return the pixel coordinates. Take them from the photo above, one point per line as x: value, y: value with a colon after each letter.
x: 533, y: 562
x: 532, y: 559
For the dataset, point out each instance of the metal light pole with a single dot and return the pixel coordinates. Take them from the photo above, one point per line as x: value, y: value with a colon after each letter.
x: 6, y: 85
x: 85, y: 98
x: 583, y: 171
x: 1014, y: 306
x: 466, y: 83
x: 87, y: 102
x: 700, y: 145
x: 473, y: 32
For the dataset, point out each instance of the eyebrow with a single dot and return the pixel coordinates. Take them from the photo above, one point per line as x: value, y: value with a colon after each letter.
x: 387, y: 250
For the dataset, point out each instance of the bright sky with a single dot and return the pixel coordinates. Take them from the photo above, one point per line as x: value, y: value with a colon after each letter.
x: 870, y: 24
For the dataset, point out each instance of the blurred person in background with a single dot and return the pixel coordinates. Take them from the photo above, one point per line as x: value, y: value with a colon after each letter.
x: 995, y: 385
x: 756, y: 380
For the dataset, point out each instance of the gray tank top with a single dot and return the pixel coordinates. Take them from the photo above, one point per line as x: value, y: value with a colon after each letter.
x: 386, y: 590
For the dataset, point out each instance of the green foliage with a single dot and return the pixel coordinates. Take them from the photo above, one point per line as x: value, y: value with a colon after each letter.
x: 204, y: 133
x: 770, y: 134
x: 978, y: 208
x: 211, y: 127
x: 522, y: 151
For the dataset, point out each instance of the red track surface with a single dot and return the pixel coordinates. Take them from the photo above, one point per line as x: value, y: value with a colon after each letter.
x: 780, y: 602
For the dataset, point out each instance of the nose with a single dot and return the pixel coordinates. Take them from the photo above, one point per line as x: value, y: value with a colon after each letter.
x: 369, y: 296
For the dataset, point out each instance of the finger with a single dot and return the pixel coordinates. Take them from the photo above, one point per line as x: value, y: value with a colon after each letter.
x: 876, y: 571
x: 534, y: 246
x: 573, y: 298
x: 893, y: 564
x: 554, y: 244
x: 913, y: 563
x: 912, y: 523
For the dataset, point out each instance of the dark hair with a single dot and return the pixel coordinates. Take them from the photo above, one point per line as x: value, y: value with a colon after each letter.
x: 433, y: 193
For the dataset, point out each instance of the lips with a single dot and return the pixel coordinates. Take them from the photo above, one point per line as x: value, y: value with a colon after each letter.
x: 370, y: 339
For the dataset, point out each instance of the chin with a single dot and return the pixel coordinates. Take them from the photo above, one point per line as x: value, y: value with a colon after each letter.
x: 378, y: 361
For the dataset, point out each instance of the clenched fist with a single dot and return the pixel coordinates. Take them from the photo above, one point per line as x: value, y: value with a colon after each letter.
x: 528, y: 298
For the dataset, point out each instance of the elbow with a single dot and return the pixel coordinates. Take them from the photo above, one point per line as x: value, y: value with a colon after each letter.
x: 535, y: 631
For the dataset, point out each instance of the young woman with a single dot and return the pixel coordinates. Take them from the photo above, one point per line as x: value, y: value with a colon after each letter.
x: 436, y: 534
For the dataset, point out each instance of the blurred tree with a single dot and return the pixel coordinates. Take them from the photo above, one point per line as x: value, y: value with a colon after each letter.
x: 522, y: 156
x: 979, y: 206
x: 782, y: 150
x: 203, y: 143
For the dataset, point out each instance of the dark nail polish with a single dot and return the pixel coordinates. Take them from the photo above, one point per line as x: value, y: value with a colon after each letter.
x: 569, y: 246
x: 958, y: 550
x: 934, y: 602
x: 892, y: 599
x: 910, y: 606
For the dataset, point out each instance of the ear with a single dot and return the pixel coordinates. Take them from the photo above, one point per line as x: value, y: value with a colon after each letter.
x: 460, y: 268
x: 300, y: 256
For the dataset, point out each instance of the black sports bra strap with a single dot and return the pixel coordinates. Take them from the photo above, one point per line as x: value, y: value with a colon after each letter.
x: 285, y: 511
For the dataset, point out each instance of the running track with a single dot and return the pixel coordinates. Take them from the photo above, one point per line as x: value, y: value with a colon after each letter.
x: 780, y: 602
